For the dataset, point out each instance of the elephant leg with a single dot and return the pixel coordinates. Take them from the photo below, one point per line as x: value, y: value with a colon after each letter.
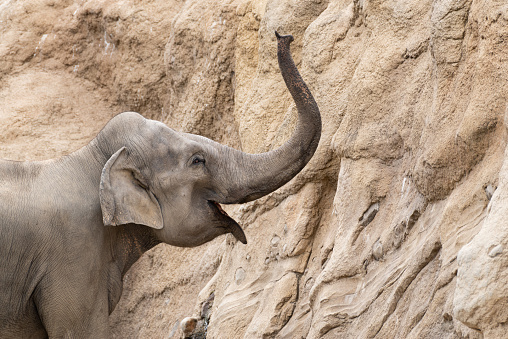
x: 73, y: 308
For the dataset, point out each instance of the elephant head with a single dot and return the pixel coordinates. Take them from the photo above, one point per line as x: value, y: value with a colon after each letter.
x: 175, y: 182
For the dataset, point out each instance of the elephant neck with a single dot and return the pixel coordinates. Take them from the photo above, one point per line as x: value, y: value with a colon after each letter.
x: 128, y: 243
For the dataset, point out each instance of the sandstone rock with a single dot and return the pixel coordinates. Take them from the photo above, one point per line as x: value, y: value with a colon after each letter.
x: 369, y: 214
x: 188, y: 326
x: 481, y: 289
x: 395, y: 229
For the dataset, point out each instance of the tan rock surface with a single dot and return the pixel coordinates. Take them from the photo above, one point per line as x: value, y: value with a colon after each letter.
x: 396, y: 227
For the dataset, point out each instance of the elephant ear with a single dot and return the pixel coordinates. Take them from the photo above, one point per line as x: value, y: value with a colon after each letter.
x: 125, y: 196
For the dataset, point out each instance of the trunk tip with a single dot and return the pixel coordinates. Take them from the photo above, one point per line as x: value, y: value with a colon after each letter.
x: 284, y: 37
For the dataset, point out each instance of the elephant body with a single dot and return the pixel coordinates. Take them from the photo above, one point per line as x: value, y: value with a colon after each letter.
x: 70, y: 228
x: 58, y: 264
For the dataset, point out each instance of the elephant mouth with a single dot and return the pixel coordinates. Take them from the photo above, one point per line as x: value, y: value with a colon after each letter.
x: 230, y: 224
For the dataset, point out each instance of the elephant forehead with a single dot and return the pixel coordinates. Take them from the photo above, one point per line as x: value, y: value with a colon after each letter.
x: 166, y: 141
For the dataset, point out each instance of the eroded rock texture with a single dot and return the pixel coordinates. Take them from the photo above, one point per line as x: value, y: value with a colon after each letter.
x: 395, y: 229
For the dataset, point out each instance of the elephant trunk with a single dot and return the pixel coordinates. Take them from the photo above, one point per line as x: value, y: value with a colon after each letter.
x: 252, y: 176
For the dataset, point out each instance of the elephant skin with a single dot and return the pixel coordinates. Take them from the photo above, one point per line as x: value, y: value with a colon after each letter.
x: 70, y: 228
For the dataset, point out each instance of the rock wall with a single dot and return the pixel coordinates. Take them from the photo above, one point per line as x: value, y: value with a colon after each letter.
x: 396, y: 227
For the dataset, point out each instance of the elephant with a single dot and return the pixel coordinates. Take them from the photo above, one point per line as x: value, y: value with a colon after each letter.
x: 70, y: 228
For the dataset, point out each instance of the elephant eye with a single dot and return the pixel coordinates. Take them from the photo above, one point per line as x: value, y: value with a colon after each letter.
x: 198, y: 160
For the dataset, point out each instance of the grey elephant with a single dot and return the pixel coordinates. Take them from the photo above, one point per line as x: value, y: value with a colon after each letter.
x: 70, y: 228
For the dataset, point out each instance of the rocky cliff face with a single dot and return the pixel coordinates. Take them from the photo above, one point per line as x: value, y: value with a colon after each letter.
x: 396, y: 228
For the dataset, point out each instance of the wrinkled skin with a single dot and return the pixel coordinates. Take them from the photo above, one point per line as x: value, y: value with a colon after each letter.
x: 70, y: 228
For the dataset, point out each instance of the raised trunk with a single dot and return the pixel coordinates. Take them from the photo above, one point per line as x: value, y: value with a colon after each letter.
x: 251, y: 176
